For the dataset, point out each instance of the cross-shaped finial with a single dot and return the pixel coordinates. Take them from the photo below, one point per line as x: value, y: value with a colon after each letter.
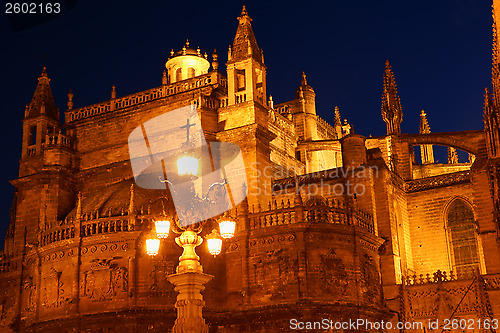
x: 187, y: 126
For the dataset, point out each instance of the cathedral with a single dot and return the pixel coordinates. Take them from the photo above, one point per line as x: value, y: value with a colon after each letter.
x: 337, y: 232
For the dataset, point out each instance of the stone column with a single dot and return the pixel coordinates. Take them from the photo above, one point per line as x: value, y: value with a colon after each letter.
x: 190, y: 302
x: 189, y: 281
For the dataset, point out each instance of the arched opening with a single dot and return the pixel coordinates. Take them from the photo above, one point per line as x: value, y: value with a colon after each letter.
x: 191, y: 72
x: 462, y: 236
x: 32, y: 136
x: 178, y: 74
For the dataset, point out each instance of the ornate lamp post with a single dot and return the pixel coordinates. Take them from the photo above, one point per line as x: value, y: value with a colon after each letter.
x: 189, y: 279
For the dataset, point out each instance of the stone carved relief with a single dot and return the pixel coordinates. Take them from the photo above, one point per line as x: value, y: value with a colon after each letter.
x: 29, y: 293
x: 52, y: 290
x: 371, y: 278
x: 333, y: 274
x: 105, y: 280
x: 273, y: 274
x: 159, y: 285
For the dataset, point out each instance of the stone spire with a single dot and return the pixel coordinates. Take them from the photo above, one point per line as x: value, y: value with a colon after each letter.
x: 391, y: 105
x: 426, y: 151
x: 424, y: 124
x: 43, y: 101
x: 338, y: 123
x: 244, y: 43
x: 452, y: 156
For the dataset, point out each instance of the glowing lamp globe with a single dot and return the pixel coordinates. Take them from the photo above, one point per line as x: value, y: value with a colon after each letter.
x: 187, y: 165
x: 227, y: 228
x: 152, y: 246
x: 162, y: 228
x: 214, y: 243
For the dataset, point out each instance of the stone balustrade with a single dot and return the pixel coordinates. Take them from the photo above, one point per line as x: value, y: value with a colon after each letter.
x: 438, y: 276
x: 58, y: 140
x: 57, y: 234
x: 332, y: 211
x: 147, y: 96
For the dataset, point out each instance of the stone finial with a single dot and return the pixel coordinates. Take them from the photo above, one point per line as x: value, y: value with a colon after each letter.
x: 301, y: 93
x: 187, y: 43
x: 304, y: 80
x: 215, y: 63
x: 70, y: 100
x: 346, y: 128
x: 164, y: 79
x: 271, y: 102
x: 26, y: 110
x: 113, y: 92
x: 172, y: 52
x: 44, y: 72
x: 198, y: 51
x: 244, y: 18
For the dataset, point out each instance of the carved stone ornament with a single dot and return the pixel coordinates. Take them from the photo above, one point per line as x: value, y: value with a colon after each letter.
x: 105, y: 280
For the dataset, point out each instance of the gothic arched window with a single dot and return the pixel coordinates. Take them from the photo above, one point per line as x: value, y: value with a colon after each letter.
x: 462, y: 231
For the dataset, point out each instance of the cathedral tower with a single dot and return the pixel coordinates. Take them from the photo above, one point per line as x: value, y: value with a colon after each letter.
x: 246, y: 72
x: 45, y: 188
x: 246, y: 115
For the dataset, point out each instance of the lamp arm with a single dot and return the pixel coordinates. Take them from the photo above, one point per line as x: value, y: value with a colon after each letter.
x: 224, y: 182
x: 166, y: 181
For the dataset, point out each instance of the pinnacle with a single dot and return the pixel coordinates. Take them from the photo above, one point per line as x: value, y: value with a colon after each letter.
x: 43, y: 101
x: 424, y: 124
x: 244, y: 11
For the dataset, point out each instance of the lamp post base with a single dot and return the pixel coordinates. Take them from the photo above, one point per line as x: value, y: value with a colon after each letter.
x: 189, y: 302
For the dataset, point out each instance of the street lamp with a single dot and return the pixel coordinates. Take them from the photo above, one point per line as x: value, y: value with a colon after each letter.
x: 189, y: 278
x: 187, y: 165
x: 152, y: 246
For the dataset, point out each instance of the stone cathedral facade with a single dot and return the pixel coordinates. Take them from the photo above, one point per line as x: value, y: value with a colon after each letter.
x: 335, y: 225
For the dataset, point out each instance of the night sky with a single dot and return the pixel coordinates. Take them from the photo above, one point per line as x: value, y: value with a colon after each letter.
x: 440, y: 52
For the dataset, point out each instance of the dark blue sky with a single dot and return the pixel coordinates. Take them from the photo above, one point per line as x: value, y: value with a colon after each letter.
x: 440, y: 52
